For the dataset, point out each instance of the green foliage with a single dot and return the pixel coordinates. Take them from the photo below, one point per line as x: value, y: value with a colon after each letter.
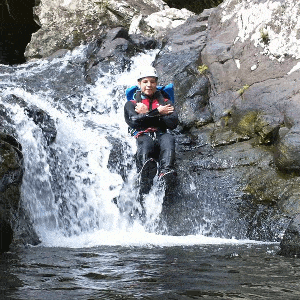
x: 202, y: 69
x: 103, y: 4
x: 264, y: 35
x: 243, y: 89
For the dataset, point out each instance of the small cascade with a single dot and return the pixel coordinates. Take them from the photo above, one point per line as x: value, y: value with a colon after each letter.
x: 70, y: 186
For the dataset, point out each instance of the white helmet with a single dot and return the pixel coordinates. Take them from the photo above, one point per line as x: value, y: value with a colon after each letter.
x: 147, y: 72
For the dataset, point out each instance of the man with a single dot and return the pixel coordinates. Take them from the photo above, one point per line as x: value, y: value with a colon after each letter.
x: 150, y: 115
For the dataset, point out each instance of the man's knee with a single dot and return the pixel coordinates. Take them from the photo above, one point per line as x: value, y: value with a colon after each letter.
x: 167, y: 142
x: 145, y: 149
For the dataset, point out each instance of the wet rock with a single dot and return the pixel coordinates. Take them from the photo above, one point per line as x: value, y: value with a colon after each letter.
x: 143, y: 42
x: 227, y: 177
x: 180, y: 55
x: 118, y: 155
x: 6, y: 235
x: 112, y: 52
x: 290, y: 244
x: 178, y: 62
x: 193, y: 100
x: 287, y: 154
x: 44, y: 121
x: 231, y: 190
x: 11, y: 173
x: 11, y: 211
x: 39, y: 117
x: 115, y: 46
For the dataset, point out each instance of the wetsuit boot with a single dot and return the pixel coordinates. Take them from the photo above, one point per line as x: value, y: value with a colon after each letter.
x: 167, y: 159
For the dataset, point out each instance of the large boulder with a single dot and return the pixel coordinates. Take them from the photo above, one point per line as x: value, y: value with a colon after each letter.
x: 10, y: 182
x: 287, y: 155
x: 178, y: 62
x: 67, y: 24
x: 116, y: 45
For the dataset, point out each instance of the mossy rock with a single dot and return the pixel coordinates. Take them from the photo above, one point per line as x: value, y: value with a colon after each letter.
x: 270, y: 187
x: 287, y: 154
x: 255, y: 124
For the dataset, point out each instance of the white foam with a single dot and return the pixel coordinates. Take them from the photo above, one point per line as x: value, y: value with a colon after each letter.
x: 135, y: 237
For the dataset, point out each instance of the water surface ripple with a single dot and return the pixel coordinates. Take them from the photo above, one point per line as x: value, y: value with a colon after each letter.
x: 248, y: 271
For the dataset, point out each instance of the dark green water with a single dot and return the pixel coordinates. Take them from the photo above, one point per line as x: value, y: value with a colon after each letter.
x: 183, y: 272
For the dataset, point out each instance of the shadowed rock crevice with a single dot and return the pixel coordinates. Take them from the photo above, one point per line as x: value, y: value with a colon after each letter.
x: 195, y: 6
x: 16, y: 26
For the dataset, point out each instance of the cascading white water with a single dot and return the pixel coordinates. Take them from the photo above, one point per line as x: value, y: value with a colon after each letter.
x: 68, y: 187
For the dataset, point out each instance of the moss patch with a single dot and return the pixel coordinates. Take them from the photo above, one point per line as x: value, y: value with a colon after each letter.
x: 246, y: 125
x: 242, y: 90
x: 269, y: 187
x: 255, y: 125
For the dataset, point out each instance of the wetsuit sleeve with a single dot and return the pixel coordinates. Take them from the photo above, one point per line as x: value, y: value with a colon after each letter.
x: 151, y: 119
x: 138, y: 121
x: 171, y: 120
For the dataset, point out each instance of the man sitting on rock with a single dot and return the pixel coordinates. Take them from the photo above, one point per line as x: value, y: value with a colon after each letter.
x: 150, y: 116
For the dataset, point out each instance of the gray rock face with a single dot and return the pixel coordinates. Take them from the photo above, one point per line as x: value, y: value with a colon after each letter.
x: 178, y: 62
x: 254, y: 82
x: 11, y: 177
x: 227, y: 179
x: 67, y: 24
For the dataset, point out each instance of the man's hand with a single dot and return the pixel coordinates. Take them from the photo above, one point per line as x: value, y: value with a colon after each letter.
x: 165, y: 109
x: 141, y: 108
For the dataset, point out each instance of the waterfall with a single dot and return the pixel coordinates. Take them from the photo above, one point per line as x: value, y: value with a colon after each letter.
x: 70, y: 187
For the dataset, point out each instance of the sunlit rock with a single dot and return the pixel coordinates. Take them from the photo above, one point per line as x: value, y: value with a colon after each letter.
x: 67, y: 24
x: 159, y: 23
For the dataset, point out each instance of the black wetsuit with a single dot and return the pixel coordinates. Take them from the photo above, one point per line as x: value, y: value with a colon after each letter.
x: 151, y: 131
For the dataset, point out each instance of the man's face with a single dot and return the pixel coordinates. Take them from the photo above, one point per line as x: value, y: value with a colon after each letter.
x: 148, y: 85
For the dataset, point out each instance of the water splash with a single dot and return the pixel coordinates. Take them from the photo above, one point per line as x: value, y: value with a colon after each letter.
x: 70, y: 186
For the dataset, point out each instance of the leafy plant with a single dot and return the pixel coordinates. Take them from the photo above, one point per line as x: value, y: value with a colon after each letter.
x: 202, y: 69
x: 243, y: 89
x: 264, y: 35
